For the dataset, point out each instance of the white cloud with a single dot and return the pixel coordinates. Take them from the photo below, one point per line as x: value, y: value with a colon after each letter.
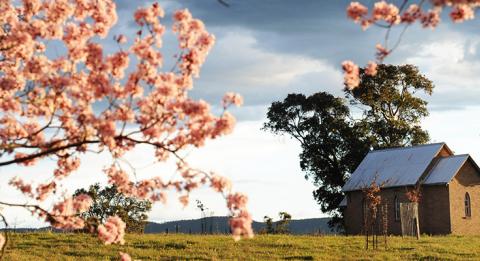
x: 261, y: 165
x: 237, y: 64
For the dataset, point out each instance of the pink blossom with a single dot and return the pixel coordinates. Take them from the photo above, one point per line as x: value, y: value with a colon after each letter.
x: 184, y: 200
x: 82, y: 203
x: 351, y: 74
x: 232, y: 98
x: 412, y: 14
x: 20, y: 185
x: 112, y: 231
x: 356, y: 11
x: 220, y: 184
x: 461, y: 13
x: 81, y: 99
x: 125, y: 257
x: 430, y: 19
x: 382, y: 52
x: 237, y: 201
x: 118, y: 178
x: 64, y: 215
x: 44, y: 190
x: 387, y: 12
x: 241, y: 225
x: 371, y: 68
x: 22, y: 156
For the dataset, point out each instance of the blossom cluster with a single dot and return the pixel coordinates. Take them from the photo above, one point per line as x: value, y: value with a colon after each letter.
x: 64, y: 215
x: 388, y: 15
x: 86, y: 99
x: 112, y: 231
x: 241, y: 221
x: 391, y: 14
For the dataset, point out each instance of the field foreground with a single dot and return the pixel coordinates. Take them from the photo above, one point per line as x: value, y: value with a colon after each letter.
x: 51, y: 246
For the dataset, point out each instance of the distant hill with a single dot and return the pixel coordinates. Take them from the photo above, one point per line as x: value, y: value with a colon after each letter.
x: 220, y: 225
x: 217, y: 225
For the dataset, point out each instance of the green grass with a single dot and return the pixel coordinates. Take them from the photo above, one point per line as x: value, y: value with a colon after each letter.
x: 50, y: 246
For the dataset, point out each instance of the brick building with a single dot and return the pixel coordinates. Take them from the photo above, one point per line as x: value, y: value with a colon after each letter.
x: 450, y: 189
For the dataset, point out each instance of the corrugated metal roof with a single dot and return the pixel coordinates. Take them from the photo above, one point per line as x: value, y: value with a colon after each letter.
x: 445, y: 169
x: 393, y: 167
x: 343, y: 203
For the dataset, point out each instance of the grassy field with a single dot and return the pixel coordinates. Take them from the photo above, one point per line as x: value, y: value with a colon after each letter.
x: 50, y: 246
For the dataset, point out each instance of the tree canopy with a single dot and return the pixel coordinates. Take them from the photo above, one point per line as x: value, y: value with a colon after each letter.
x: 334, y: 141
x: 109, y: 201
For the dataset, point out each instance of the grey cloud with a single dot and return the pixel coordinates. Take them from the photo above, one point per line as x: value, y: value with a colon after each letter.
x: 315, y: 30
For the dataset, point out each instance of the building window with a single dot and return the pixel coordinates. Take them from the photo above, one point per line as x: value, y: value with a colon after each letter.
x: 468, y: 209
x: 396, y: 204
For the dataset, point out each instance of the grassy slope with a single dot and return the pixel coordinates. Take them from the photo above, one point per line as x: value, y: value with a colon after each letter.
x: 48, y: 246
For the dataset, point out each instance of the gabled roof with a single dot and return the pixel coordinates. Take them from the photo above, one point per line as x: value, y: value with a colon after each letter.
x: 394, y: 167
x: 446, y: 168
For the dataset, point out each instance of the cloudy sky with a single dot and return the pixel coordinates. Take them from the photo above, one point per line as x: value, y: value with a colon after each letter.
x: 266, y: 49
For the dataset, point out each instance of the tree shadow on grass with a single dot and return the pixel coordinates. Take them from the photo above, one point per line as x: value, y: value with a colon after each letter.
x: 298, y: 258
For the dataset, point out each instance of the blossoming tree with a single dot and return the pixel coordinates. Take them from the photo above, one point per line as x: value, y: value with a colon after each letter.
x: 84, y: 101
x: 388, y: 15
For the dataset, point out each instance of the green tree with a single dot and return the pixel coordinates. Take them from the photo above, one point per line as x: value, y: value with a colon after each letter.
x: 391, y: 111
x: 331, y: 144
x: 108, y: 202
x: 282, y: 224
x: 334, y: 142
x: 268, y: 225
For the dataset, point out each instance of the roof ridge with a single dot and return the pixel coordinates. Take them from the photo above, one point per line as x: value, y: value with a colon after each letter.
x: 455, y: 156
x: 407, y: 147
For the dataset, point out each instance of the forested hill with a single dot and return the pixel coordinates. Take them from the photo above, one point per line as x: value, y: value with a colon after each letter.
x: 220, y: 225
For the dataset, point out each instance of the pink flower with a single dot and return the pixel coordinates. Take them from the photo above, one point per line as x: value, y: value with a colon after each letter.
x: 461, y: 13
x: 184, y: 200
x: 22, y: 156
x: 20, y: 185
x: 224, y: 125
x: 112, y: 231
x: 232, y: 98
x: 237, y: 201
x: 387, y: 12
x: 351, y: 74
x: 119, y: 178
x: 371, y: 69
x: 381, y: 53
x: 412, y: 13
x: 125, y: 257
x: 44, y: 190
x: 241, y: 225
x: 64, y: 215
x: 356, y: 11
x: 82, y: 203
x: 220, y: 184
x: 182, y: 15
x: 430, y: 19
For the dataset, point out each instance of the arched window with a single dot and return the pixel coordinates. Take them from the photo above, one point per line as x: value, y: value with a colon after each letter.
x: 396, y: 204
x: 468, y: 208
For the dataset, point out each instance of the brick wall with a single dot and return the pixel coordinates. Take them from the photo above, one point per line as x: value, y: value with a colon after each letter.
x: 467, y: 180
x: 433, y: 210
x: 354, y: 213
